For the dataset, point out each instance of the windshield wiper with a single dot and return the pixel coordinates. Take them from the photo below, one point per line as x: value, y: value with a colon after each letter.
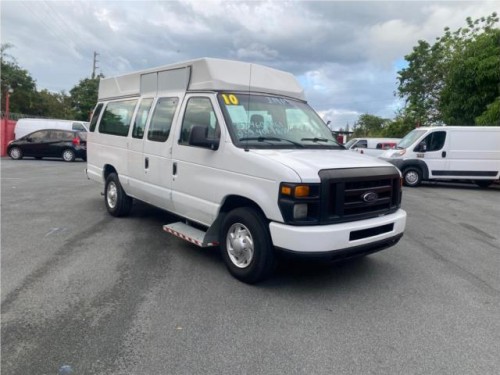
x: 276, y: 139
x: 316, y: 139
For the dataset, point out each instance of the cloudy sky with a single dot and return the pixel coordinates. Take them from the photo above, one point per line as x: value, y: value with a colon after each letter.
x: 346, y: 54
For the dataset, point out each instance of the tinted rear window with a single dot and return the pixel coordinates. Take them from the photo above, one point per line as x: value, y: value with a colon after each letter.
x: 117, y: 117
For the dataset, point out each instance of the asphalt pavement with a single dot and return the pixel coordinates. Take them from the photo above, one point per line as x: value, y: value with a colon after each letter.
x: 86, y: 293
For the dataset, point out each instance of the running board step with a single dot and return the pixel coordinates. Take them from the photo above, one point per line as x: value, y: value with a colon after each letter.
x: 188, y: 233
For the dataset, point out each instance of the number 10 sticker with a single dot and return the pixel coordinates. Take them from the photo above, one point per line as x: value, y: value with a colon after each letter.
x: 230, y: 99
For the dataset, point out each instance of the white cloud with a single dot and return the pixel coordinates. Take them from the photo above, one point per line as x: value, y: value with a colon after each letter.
x: 346, y: 54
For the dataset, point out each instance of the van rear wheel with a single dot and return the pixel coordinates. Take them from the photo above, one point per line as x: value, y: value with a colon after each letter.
x: 246, y: 245
x: 118, y: 203
x: 412, y: 176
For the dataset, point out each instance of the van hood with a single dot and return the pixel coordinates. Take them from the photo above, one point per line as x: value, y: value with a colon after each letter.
x: 307, y: 163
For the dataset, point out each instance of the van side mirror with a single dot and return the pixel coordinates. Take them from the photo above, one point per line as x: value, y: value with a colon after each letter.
x: 422, y: 147
x: 198, y: 137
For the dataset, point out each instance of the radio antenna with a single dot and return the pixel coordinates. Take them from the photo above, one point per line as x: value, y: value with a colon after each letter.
x: 248, y: 106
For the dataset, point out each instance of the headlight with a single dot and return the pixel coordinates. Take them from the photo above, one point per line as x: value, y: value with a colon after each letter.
x: 299, y: 203
x: 398, y: 153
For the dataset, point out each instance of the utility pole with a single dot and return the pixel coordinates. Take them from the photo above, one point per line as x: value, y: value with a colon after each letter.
x: 95, y: 64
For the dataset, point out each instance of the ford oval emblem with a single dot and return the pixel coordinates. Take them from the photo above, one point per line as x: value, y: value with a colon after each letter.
x: 370, y: 197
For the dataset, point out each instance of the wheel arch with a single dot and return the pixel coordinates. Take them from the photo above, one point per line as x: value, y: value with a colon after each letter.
x: 416, y: 163
x: 107, y: 170
x: 230, y: 203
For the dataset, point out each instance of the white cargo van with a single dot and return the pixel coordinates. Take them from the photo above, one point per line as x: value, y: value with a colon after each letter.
x: 448, y: 153
x: 372, y: 146
x: 26, y: 126
x: 234, y: 150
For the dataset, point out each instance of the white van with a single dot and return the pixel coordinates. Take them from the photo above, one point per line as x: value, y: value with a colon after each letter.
x: 235, y: 151
x: 26, y: 126
x: 448, y: 153
x: 372, y: 146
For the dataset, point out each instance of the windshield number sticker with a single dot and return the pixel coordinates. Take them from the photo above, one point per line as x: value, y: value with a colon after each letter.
x: 230, y: 99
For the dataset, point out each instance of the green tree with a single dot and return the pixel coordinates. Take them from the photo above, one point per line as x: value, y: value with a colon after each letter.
x: 421, y: 82
x: 438, y: 85
x: 84, y: 98
x: 491, y: 116
x: 369, y: 126
x: 473, y: 80
x: 54, y: 105
x: 400, y: 126
x: 23, y: 86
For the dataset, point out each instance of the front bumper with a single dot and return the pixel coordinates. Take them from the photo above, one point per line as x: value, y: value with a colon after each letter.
x: 364, y: 235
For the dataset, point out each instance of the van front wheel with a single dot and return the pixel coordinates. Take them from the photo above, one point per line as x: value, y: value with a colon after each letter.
x: 412, y: 176
x: 118, y: 203
x: 246, y: 245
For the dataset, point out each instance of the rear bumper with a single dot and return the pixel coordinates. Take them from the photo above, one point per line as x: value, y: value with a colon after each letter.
x: 341, y: 240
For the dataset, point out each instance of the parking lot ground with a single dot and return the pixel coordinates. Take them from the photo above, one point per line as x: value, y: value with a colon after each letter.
x: 103, y: 295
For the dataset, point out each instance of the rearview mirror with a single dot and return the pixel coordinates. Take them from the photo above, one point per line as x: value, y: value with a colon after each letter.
x: 198, y: 137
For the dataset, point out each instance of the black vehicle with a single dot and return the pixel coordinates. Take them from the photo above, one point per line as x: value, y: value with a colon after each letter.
x: 50, y: 143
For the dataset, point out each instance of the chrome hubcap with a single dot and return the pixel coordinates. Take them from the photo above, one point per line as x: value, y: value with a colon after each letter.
x: 68, y: 155
x: 411, y: 177
x: 239, y: 244
x: 112, y: 195
x: 15, y: 153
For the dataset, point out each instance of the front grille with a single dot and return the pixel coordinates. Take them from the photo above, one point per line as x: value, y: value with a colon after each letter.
x: 359, y: 193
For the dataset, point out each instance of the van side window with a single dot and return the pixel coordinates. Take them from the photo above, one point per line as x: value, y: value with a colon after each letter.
x: 95, y: 116
x: 199, y: 111
x: 161, y: 122
x: 435, y: 141
x: 117, y: 117
x: 362, y: 144
x: 141, y: 118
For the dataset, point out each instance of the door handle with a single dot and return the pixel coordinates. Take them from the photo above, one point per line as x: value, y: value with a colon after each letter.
x: 146, y: 163
x: 443, y: 154
x: 174, y: 169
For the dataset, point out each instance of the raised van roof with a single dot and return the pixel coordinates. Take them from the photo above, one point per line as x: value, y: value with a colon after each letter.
x: 202, y: 75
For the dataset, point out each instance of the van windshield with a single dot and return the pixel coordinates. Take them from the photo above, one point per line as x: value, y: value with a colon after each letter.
x: 262, y: 121
x: 410, y: 138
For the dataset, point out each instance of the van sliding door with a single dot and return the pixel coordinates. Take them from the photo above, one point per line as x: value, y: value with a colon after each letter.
x: 156, y: 187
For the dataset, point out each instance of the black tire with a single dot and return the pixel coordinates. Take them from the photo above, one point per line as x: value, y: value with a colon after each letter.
x: 68, y: 155
x: 246, y: 245
x: 483, y: 184
x: 412, y: 176
x: 15, y: 153
x: 117, y: 202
